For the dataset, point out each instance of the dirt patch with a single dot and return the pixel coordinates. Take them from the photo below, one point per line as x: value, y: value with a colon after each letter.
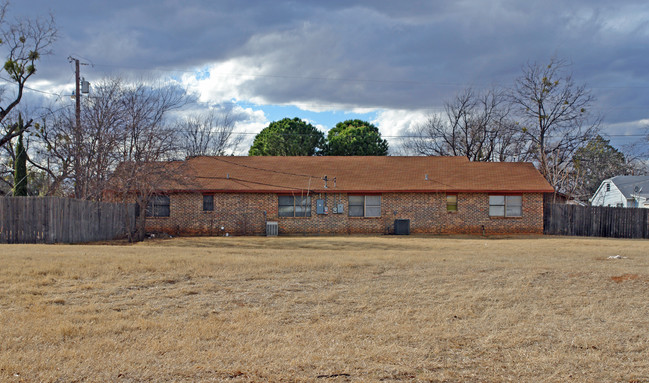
x: 624, y: 277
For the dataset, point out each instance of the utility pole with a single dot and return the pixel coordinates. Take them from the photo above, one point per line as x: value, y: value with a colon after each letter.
x: 79, y: 185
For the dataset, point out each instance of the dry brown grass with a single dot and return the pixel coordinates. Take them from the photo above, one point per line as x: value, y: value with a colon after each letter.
x: 326, y: 309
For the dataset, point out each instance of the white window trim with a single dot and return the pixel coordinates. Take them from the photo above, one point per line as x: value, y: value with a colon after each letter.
x: 365, y: 206
x: 307, y: 206
x: 504, y: 215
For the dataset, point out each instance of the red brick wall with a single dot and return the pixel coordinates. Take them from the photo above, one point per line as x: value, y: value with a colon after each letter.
x: 245, y: 214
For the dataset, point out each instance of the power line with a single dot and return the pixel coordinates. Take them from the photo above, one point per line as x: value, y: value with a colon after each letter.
x: 281, y: 186
x: 32, y: 89
x: 262, y: 169
x: 405, y: 136
x: 252, y: 182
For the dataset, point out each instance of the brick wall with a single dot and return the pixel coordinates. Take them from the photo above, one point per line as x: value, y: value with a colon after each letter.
x: 246, y: 214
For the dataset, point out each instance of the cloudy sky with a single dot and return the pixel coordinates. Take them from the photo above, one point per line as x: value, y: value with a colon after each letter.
x: 388, y: 62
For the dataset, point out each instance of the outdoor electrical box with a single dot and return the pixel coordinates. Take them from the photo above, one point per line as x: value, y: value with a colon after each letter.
x: 85, y: 86
x: 320, y: 206
x: 340, y: 209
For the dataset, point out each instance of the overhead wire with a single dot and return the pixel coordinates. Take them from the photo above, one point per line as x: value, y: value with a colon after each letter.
x: 314, y: 78
x: 249, y: 181
x: 263, y: 169
x: 32, y: 89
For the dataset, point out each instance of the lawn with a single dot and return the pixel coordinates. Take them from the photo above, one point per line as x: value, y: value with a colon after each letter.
x: 326, y: 309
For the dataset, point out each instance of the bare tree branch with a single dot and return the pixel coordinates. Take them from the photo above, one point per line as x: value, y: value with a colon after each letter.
x: 474, y: 125
x: 26, y: 40
x: 208, y: 134
x: 554, y: 114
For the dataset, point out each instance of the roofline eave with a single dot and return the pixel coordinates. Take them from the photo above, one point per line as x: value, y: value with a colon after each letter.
x: 352, y: 191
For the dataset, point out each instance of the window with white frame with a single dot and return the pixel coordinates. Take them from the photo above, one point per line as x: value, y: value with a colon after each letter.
x: 505, y: 205
x: 294, y: 206
x: 364, y: 206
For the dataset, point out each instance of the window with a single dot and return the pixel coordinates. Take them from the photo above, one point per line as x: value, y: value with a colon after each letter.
x: 505, y: 205
x: 208, y: 202
x: 364, y: 205
x: 158, y: 206
x: 294, y: 206
x: 451, y: 202
x: 608, y: 187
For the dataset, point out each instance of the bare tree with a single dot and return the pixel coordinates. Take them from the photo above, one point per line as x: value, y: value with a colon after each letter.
x: 146, y: 140
x: 208, y: 134
x: 635, y: 155
x: 82, y: 159
x: 555, y: 117
x: 26, y: 41
x: 53, y: 154
x: 474, y: 125
x: 120, y: 123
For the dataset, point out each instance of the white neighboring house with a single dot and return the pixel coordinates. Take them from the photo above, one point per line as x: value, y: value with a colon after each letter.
x: 623, y: 191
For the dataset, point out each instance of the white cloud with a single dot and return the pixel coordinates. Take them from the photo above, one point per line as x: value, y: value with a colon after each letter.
x: 225, y: 81
x: 362, y: 56
x: 249, y: 121
x: 394, y: 124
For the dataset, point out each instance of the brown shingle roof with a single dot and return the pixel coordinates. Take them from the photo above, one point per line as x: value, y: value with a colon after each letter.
x: 356, y: 174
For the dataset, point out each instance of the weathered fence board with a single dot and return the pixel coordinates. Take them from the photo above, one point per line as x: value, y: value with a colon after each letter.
x: 595, y: 221
x: 62, y: 220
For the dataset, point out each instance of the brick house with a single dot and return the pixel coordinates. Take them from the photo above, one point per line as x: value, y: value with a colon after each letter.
x: 346, y: 195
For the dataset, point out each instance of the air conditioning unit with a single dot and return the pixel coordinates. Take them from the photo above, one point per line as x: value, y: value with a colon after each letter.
x: 272, y: 229
x: 402, y: 226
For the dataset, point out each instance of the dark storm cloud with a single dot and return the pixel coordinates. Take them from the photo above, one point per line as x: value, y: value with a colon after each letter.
x: 387, y: 54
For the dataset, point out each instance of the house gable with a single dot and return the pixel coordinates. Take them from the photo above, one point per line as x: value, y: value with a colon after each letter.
x: 622, y: 191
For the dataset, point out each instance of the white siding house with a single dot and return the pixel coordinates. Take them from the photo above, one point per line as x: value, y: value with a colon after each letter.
x: 623, y: 191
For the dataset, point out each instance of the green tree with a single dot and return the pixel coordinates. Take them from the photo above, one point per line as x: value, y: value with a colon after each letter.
x: 288, y: 137
x: 20, y: 165
x: 596, y: 162
x: 355, y: 138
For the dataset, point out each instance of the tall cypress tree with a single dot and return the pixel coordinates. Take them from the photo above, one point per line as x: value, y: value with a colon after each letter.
x: 20, y: 165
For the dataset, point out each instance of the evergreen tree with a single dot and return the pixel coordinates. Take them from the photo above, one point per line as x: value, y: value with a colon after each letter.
x: 355, y: 138
x: 20, y: 164
x: 594, y: 163
x: 288, y: 137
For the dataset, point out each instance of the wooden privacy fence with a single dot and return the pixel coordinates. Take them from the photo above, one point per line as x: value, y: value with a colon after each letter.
x: 62, y: 220
x: 595, y: 221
